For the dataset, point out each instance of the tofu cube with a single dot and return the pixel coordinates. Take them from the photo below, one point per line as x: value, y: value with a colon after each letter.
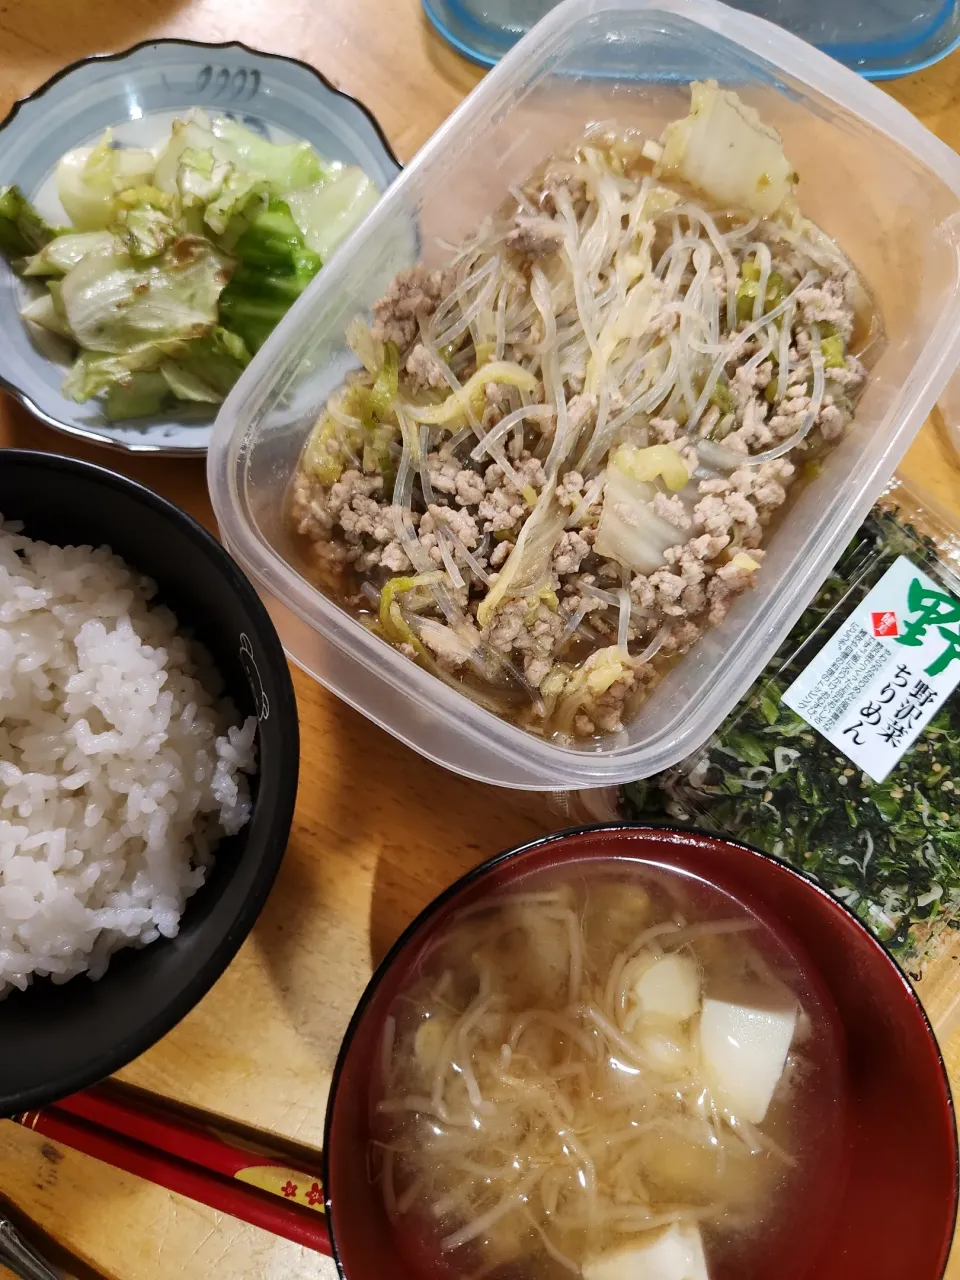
x: 744, y: 1051
x: 674, y: 1253
x: 670, y: 988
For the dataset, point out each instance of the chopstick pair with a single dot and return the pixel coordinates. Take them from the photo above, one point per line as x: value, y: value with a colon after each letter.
x: 226, y: 1168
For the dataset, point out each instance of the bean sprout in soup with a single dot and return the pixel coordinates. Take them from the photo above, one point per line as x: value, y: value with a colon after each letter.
x: 619, y: 1073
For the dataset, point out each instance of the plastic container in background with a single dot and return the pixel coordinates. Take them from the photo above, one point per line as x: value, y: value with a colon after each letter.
x: 871, y: 176
x: 948, y: 411
x: 879, y: 39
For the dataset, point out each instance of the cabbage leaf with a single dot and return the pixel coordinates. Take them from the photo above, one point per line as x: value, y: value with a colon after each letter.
x: 114, y: 303
x: 329, y: 210
x: 722, y: 147
x: 89, y: 180
x: 630, y: 531
x: 22, y: 230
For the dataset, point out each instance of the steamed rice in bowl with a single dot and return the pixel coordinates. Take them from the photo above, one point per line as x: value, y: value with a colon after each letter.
x: 120, y: 766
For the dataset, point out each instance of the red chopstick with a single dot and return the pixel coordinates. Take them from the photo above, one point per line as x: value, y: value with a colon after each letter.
x: 162, y: 1147
x: 146, y: 1120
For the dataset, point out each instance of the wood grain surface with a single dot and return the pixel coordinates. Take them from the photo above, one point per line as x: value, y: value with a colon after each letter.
x: 378, y: 831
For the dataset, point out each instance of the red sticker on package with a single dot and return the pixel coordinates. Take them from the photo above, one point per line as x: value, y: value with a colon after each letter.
x: 885, y: 624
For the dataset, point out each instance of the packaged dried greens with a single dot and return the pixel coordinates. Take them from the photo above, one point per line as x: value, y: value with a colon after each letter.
x: 890, y: 849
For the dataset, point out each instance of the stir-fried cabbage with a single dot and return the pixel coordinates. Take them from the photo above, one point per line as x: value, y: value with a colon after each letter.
x: 208, y: 239
x: 46, y: 312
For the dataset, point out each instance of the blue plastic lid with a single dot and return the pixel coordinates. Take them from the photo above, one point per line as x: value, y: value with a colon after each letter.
x: 881, y: 39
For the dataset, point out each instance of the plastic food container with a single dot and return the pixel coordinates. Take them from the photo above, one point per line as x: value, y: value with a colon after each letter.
x: 871, y: 175
x: 878, y: 40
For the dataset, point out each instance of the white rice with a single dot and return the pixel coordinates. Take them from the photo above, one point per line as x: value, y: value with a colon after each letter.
x: 119, y: 768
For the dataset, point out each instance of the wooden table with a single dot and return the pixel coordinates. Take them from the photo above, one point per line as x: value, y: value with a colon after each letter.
x: 378, y: 831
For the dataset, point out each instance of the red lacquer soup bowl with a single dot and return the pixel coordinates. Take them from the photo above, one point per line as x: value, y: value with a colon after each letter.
x: 885, y: 1201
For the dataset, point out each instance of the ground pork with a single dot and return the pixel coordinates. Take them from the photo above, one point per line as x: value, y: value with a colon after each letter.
x: 727, y: 583
x: 754, y: 431
x: 412, y: 294
x: 606, y: 712
x: 764, y: 484
x: 850, y: 377
x: 827, y: 304
x: 570, y: 489
x: 571, y: 493
x: 832, y: 421
x: 500, y: 553
x: 535, y: 237
x: 745, y: 384
x: 664, y: 430
x: 529, y: 634
x: 570, y: 552
x: 436, y: 519
x: 364, y: 524
x: 504, y: 506
x: 424, y: 370
x: 680, y: 637
x: 559, y: 179
x: 671, y: 509
x: 717, y: 515
x: 449, y: 477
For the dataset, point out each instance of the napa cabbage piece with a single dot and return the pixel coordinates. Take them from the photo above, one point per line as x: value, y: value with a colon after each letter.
x: 723, y: 148
x: 505, y: 372
x: 579, y: 689
x: 393, y: 624
x: 113, y: 303
x: 367, y: 348
x: 328, y: 448
x: 630, y: 531
x: 332, y: 443
x: 655, y: 461
x: 529, y: 561
x: 89, y: 180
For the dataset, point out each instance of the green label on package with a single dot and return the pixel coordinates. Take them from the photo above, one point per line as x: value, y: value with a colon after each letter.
x: 882, y: 678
